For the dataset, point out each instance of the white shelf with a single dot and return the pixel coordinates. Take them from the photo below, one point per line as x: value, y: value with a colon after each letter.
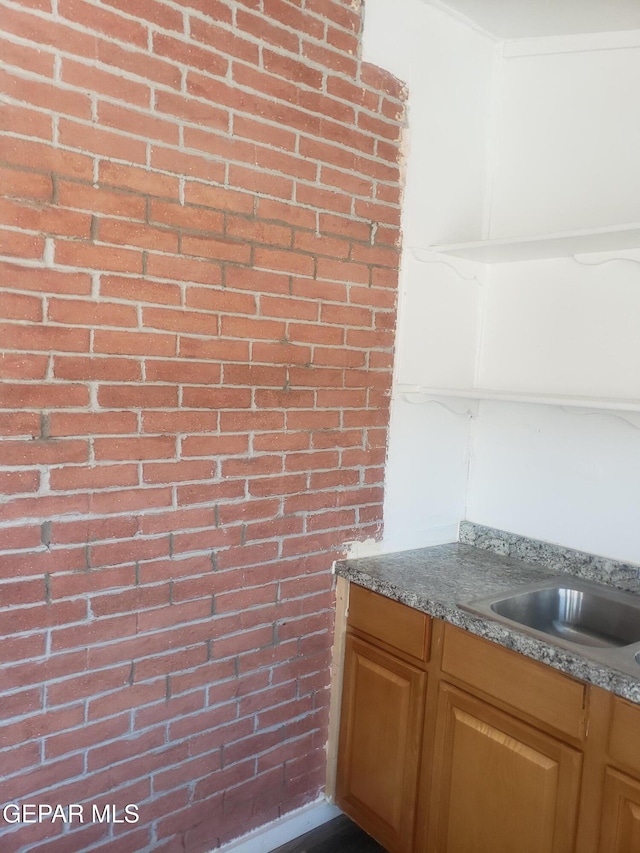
x: 559, y: 245
x: 596, y: 403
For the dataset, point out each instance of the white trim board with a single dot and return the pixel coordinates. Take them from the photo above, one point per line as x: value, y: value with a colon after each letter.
x: 284, y: 829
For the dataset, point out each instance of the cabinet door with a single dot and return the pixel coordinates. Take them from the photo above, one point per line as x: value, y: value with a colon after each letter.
x: 499, y: 784
x: 380, y: 737
x: 620, y: 814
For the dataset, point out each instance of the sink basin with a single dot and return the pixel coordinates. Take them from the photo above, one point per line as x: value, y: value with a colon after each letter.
x: 585, y: 617
x: 599, y: 622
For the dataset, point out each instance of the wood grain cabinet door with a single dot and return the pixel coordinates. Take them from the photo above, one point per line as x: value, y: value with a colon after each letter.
x: 499, y: 785
x: 620, y: 828
x: 380, y: 737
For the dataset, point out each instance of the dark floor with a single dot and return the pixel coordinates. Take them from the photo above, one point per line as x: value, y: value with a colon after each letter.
x: 339, y: 835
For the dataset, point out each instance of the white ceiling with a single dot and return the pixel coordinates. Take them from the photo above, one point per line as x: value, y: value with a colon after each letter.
x: 511, y: 19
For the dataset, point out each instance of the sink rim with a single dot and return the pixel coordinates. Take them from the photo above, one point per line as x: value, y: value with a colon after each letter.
x: 624, y: 659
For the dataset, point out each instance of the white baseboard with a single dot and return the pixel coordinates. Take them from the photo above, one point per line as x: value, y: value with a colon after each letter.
x: 284, y: 829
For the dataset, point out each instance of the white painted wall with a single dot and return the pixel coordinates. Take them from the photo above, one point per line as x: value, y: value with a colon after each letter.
x: 558, y: 475
x: 563, y: 327
x: 566, y: 142
x: 448, y: 68
x: 500, y: 143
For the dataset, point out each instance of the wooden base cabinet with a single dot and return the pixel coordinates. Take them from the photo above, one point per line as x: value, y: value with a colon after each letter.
x: 452, y: 744
x: 503, y: 786
x: 380, y: 738
x: 381, y: 722
x: 620, y: 814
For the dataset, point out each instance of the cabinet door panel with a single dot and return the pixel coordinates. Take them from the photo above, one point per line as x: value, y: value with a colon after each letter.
x: 380, y: 736
x: 620, y: 814
x: 502, y: 785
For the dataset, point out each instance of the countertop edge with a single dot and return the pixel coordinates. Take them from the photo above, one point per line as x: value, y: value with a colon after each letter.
x: 569, y: 663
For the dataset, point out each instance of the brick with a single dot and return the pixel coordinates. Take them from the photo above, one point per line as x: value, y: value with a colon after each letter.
x: 220, y: 198
x: 17, y: 183
x: 125, y: 233
x: 280, y: 441
x: 288, y: 353
x: 85, y: 76
x: 346, y: 42
x: 26, y: 122
x: 289, y: 262
x: 153, y: 12
x: 123, y: 29
x: 220, y: 145
x: 192, y: 110
x: 26, y: 424
x: 213, y: 445
x: 72, y: 194
x: 85, y: 313
x: 216, y: 398
x: 96, y: 368
x: 95, y: 477
x: 147, y: 343
x: 186, y: 217
x: 16, y: 482
x: 284, y: 399
x: 316, y: 333
x: 137, y: 396
x: 377, y: 78
x: 197, y: 165
x: 45, y: 95
x: 125, y: 448
x: 252, y: 328
x: 191, y: 372
x: 258, y: 232
x: 180, y: 421
x: 73, y: 254
x: 137, y: 122
x: 15, y: 244
x: 334, y: 60
x: 168, y: 319
x: 292, y: 69
x: 43, y: 616
x: 37, y: 507
x: 26, y: 152
x: 173, y: 472
x: 46, y: 220
x: 139, y: 64
x: 346, y: 16
x: 261, y: 131
x: 338, y: 357
x: 210, y: 299
x: 50, y: 396
x: 36, y: 61
x: 189, y: 54
x: 347, y: 182
x: 292, y: 214
x: 261, y: 29
x: 324, y: 199
x: 139, y: 180
x: 183, y: 269
x: 139, y: 290
x: 18, y: 306
x: 66, y: 532
x: 321, y: 245
x: 219, y: 250
x: 222, y: 39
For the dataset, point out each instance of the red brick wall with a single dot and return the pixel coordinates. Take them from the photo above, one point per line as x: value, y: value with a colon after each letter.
x: 198, y: 274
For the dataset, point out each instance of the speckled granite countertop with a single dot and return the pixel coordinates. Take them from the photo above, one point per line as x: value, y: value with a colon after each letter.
x: 487, y: 562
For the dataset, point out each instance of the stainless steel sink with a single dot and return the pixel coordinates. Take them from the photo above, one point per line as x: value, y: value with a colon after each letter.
x: 599, y: 622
